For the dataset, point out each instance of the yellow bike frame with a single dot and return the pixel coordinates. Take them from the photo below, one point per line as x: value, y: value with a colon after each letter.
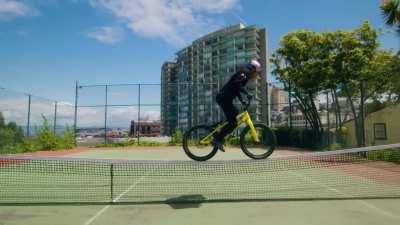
x: 242, y: 118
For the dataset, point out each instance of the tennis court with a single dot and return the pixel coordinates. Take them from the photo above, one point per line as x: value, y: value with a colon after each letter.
x: 160, y: 186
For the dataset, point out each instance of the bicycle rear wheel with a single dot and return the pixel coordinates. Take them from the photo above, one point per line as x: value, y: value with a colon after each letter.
x: 192, y: 146
x: 258, y: 150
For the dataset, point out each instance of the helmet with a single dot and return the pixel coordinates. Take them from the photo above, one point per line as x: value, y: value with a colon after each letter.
x: 254, y: 64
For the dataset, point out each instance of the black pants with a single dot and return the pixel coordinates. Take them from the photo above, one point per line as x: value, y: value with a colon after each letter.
x: 230, y: 112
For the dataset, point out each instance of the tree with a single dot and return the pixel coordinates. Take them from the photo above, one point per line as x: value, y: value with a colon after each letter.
x: 303, y: 61
x: 391, y: 12
x: 354, y: 55
x: 394, y: 84
x: 346, y: 63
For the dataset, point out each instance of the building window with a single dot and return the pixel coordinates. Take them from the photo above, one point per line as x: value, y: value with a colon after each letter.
x: 380, y: 131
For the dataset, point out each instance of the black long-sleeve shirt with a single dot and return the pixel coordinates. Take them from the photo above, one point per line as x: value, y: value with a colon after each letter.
x: 235, y: 86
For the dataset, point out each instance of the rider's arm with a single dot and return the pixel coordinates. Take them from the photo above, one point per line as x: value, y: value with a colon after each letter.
x: 242, y: 90
x: 238, y: 82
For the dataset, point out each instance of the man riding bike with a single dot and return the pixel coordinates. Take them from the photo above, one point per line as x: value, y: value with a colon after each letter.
x: 228, y: 93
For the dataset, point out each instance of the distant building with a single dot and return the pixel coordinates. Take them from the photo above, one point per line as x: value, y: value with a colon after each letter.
x: 169, y: 98
x: 145, y: 128
x: 298, y: 118
x: 201, y: 70
x: 279, y: 98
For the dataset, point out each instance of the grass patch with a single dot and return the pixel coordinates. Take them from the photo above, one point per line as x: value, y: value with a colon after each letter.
x: 12, y: 140
x: 390, y: 155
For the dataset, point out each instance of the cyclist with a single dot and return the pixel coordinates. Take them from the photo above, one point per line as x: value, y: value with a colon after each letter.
x: 228, y: 93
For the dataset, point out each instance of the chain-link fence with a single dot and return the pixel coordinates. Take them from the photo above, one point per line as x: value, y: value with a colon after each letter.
x: 30, y: 112
x: 118, y: 112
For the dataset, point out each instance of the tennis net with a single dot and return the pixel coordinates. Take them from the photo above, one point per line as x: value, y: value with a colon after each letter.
x: 370, y: 172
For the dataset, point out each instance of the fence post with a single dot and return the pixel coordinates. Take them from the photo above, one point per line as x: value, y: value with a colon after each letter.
x: 105, y: 115
x: 55, y: 117
x: 362, y: 112
x: 28, y: 125
x: 290, y: 105
x: 268, y: 106
x: 138, y: 123
x: 327, y: 118
x: 76, y: 111
x: 177, y: 104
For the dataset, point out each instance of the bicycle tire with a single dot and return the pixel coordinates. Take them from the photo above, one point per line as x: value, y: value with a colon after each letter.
x: 186, y: 145
x: 268, y: 141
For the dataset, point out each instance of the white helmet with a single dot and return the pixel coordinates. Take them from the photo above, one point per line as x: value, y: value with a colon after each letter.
x: 254, y: 64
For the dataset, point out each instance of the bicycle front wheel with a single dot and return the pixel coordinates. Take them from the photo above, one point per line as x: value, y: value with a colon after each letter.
x: 261, y: 149
x: 194, y: 148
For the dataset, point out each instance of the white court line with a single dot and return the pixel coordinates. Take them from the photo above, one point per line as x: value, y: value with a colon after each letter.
x: 115, y: 200
x: 384, y: 212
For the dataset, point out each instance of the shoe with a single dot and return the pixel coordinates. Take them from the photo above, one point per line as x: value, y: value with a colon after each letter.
x: 219, y: 145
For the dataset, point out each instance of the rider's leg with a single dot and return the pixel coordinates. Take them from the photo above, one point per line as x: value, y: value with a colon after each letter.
x: 230, y: 112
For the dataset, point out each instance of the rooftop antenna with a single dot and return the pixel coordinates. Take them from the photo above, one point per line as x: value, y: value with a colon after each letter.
x: 239, y: 18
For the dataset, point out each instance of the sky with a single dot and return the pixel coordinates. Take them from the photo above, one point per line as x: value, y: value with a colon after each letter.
x: 47, y: 45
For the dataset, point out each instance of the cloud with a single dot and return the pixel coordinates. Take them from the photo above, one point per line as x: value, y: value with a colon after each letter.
x: 106, y: 34
x: 175, y: 21
x: 22, y: 33
x: 216, y: 6
x: 10, y: 9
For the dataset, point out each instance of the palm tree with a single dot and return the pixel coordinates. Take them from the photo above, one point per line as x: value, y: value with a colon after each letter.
x: 391, y: 12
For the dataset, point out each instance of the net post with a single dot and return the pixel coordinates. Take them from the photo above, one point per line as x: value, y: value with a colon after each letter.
x: 76, y: 111
x: 105, y: 114
x: 111, y: 183
x: 55, y: 117
x: 138, y: 123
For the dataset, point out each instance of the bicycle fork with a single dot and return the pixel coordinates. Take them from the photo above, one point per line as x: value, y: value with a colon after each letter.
x: 245, y: 118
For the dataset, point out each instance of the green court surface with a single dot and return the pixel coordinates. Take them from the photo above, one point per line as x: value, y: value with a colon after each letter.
x: 296, y: 193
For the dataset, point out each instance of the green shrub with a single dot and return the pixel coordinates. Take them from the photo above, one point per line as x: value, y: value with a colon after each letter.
x: 334, y: 146
x: 30, y: 145
x: 150, y: 143
x: 12, y: 140
x: 67, y: 139
x: 387, y: 155
x: 11, y: 149
x: 10, y: 134
x: 233, y: 140
x: 177, y: 137
x: 303, y: 138
x: 47, y: 140
x: 130, y: 142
